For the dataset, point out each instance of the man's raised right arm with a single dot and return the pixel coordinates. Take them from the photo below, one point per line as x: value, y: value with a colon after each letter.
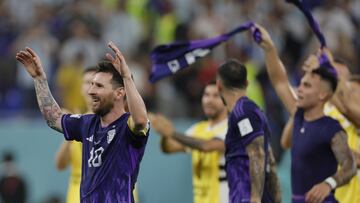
x: 47, y: 104
x: 277, y: 72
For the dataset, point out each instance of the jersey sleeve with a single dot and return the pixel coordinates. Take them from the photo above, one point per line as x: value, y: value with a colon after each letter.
x: 250, y: 126
x: 137, y: 139
x: 71, y: 125
x: 334, y: 128
x: 142, y: 132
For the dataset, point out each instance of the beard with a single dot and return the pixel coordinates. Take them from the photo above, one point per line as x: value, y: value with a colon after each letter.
x: 103, y: 109
x: 214, y: 114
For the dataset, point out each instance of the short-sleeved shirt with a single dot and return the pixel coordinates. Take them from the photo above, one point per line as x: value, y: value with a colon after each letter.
x: 246, y: 122
x: 312, y: 159
x: 111, y: 157
x: 208, y: 167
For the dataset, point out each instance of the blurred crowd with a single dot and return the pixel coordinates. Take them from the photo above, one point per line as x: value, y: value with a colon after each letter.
x: 71, y: 35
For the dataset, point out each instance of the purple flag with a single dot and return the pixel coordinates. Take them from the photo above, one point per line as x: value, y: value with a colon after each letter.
x: 323, y: 59
x: 312, y: 22
x: 170, y: 58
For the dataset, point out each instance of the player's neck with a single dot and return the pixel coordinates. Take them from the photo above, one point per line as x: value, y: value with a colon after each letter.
x: 110, y: 117
x: 231, y: 97
x: 218, y: 119
x: 314, y: 113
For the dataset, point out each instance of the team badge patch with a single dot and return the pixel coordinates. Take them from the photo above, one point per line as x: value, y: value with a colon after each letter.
x: 110, y: 135
x: 245, y: 127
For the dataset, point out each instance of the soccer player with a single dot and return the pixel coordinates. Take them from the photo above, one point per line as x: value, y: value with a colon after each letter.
x: 113, y: 140
x: 350, y: 192
x: 69, y: 153
x: 205, y: 141
x: 249, y: 160
x: 319, y: 142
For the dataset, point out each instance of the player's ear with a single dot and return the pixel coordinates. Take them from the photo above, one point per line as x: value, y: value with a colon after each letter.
x: 325, y: 92
x: 119, y: 93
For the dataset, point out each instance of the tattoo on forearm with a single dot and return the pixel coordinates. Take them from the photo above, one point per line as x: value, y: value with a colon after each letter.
x: 344, y: 158
x: 188, y: 141
x: 48, y: 107
x: 256, y: 155
x: 274, y: 184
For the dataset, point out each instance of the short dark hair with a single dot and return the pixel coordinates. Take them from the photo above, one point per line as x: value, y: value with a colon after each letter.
x: 327, y: 74
x: 233, y: 74
x: 107, y: 67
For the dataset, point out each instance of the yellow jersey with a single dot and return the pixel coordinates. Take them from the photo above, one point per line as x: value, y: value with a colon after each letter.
x: 350, y: 192
x: 69, y: 80
x: 73, y: 195
x: 209, y: 177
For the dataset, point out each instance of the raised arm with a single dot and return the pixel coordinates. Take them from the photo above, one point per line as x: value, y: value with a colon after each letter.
x: 48, y: 106
x: 277, y: 72
x: 256, y: 153
x: 135, y: 103
x: 345, y: 172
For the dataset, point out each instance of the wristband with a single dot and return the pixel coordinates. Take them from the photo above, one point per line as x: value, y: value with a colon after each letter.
x: 332, y: 182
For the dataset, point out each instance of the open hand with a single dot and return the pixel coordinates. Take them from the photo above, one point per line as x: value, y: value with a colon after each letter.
x: 31, y: 61
x: 119, y: 61
x: 161, y: 125
x: 311, y: 63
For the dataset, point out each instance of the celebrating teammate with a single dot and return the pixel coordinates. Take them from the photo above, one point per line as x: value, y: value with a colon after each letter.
x: 319, y: 142
x: 205, y: 139
x: 113, y: 140
x: 250, y: 165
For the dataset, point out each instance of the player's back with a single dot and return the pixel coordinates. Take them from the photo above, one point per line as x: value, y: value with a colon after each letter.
x: 246, y: 122
x: 312, y: 158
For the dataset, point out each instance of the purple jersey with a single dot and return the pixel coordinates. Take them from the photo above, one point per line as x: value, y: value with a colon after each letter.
x: 312, y: 159
x: 246, y: 122
x: 111, y: 157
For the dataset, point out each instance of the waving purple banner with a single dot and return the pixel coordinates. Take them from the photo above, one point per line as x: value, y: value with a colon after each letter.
x: 312, y: 22
x: 169, y: 59
x: 323, y: 59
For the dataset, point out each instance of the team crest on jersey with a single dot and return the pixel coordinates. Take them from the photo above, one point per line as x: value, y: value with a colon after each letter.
x: 90, y: 139
x: 75, y: 116
x: 110, y: 135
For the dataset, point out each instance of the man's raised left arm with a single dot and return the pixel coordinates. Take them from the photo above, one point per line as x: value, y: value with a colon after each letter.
x: 138, y: 121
